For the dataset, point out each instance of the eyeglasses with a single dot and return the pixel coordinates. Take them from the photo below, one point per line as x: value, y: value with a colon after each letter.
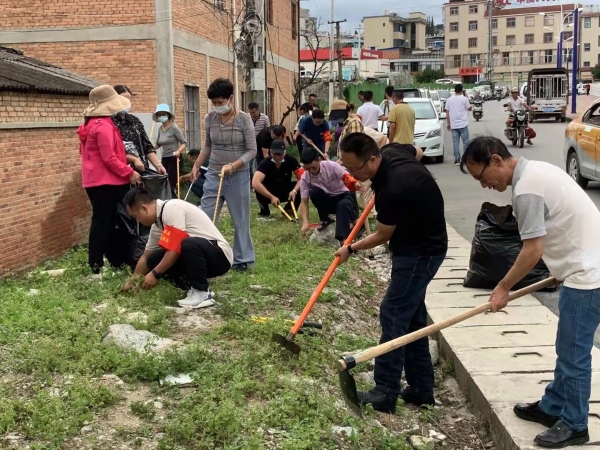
x: 479, y: 178
x: 358, y: 170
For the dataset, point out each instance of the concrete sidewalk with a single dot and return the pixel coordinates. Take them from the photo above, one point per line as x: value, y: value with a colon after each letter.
x: 500, y: 359
x: 583, y: 103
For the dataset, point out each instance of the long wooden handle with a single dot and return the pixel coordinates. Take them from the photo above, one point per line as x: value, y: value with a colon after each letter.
x: 386, y: 347
x: 218, y: 198
x: 331, y: 270
x: 319, y: 150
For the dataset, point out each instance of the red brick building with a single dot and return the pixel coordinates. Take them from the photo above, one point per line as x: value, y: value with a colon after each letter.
x: 166, y: 51
x: 43, y: 209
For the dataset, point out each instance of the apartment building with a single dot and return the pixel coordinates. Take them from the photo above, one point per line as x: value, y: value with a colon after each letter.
x: 522, y: 38
x: 589, y: 48
x: 166, y: 51
x: 392, y: 31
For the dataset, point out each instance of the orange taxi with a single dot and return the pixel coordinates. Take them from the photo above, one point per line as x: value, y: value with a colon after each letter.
x: 582, y: 146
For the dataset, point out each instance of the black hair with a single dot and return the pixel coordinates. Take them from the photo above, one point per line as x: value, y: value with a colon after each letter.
x: 121, y: 89
x: 278, y: 130
x: 312, y: 95
x: 368, y: 96
x: 458, y: 88
x: 361, y: 92
x: 220, y: 88
x: 253, y: 105
x: 399, y: 94
x: 481, y: 149
x: 350, y: 107
x: 309, y: 155
x: 389, y: 90
x: 361, y: 145
x: 318, y: 114
x: 303, y: 107
x: 194, y: 152
x: 138, y: 196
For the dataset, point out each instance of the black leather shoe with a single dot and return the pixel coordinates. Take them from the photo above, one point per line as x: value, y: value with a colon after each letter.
x: 533, y: 413
x: 382, y: 399
x: 415, y: 399
x: 560, y: 436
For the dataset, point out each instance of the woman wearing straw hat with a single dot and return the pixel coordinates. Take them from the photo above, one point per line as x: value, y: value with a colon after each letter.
x: 172, y: 141
x: 231, y: 145
x: 105, y: 174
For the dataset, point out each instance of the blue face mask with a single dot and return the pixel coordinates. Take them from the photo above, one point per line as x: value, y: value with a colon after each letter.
x: 163, y: 119
x: 126, y: 110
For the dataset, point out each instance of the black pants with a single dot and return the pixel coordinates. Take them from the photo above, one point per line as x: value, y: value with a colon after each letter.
x: 199, y: 260
x: 282, y: 192
x: 170, y: 163
x: 344, y: 206
x: 300, y: 144
x: 104, y: 200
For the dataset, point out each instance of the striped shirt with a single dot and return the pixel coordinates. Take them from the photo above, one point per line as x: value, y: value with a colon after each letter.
x: 261, y: 123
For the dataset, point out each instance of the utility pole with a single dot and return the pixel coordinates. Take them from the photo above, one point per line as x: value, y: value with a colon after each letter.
x: 360, y: 46
x: 331, y: 55
x: 490, y: 56
x: 339, y: 58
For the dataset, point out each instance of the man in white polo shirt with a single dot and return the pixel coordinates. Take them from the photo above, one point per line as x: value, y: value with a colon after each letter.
x: 559, y: 224
x: 369, y: 112
x: 457, y: 121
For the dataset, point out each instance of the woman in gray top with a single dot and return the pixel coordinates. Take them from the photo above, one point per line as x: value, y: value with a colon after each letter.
x: 231, y: 145
x: 172, y: 141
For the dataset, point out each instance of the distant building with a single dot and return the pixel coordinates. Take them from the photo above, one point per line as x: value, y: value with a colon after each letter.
x: 392, y: 31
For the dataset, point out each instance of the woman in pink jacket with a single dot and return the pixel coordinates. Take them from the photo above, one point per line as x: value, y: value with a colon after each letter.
x: 105, y: 174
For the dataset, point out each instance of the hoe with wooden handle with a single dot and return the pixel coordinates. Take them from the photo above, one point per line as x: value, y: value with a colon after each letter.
x: 347, y: 382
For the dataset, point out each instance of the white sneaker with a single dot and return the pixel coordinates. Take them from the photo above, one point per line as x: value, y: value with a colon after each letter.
x: 197, y: 299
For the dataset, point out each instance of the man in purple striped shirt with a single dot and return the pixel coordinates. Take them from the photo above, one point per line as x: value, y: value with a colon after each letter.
x: 331, y: 189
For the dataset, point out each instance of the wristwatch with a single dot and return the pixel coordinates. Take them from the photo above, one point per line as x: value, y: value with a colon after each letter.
x: 351, y: 250
x: 156, y: 274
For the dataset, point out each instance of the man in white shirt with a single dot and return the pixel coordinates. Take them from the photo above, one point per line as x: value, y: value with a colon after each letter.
x: 184, y: 246
x: 457, y: 111
x: 370, y: 113
x: 388, y: 103
x: 558, y: 223
x: 516, y: 103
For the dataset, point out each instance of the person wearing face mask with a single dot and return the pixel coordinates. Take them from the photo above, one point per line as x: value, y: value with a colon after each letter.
x: 230, y: 143
x: 273, y: 180
x: 172, y: 141
x: 138, y: 147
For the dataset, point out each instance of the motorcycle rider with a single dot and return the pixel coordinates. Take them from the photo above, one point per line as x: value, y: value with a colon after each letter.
x: 515, y: 103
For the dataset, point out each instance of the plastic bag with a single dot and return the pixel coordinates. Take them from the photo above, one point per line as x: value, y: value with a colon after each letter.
x: 496, y: 245
x: 126, y: 250
x: 157, y: 184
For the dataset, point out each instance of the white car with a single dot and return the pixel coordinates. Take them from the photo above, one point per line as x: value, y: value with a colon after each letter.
x: 445, y: 81
x: 438, y: 103
x: 429, y: 130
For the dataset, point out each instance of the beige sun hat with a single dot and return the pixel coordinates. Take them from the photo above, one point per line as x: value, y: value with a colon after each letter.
x: 105, y: 102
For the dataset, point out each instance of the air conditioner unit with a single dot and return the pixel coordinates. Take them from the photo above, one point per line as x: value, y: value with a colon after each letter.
x: 259, y: 54
x: 257, y: 80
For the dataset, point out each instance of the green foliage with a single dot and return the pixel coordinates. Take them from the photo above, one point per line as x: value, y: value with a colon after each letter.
x: 429, y: 76
x: 596, y: 72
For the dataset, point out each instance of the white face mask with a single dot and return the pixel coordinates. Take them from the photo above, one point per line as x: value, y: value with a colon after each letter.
x: 163, y: 119
x: 222, y: 109
x: 126, y: 110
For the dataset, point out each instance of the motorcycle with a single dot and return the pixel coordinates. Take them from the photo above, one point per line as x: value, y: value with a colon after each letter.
x: 516, y: 130
x: 477, y: 109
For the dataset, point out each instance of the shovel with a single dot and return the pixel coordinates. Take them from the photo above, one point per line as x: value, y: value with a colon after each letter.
x: 347, y: 382
x: 288, y: 341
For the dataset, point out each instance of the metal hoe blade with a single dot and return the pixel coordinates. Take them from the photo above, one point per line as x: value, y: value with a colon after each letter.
x: 288, y: 343
x: 349, y: 392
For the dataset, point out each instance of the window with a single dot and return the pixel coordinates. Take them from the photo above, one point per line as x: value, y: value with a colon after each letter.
x: 587, y: 22
x: 472, y: 25
x: 511, y: 22
x: 384, y: 24
x: 268, y: 11
x: 568, y: 19
x: 586, y: 64
x: 454, y: 26
x: 453, y: 43
x: 529, y: 38
x: 549, y: 38
x: 548, y: 56
x: 494, y: 41
x: 527, y: 57
x: 399, y: 28
x: 192, y: 116
x: 567, y: 35
x: 472, y: 42
x: 454, y: 10
x: 530, y: 21
x: 586, y: 47
x: 383, y: 41
x: 473, y: 9
x: 294, y: 20
x: 548, y: 20
x: 510, y: 40
x: 220, y: 5
x: 494, y: 23
x: 598, y: 41
x: 505, y: 58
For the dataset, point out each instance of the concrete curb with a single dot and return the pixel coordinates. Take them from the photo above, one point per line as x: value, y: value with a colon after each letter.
x: 500, y: 359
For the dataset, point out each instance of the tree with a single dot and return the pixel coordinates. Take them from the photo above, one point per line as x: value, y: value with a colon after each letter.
x: 596, y: 71
x: 429, y: 76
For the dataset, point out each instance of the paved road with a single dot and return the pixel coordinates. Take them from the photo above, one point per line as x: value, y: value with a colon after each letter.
x: 463, y: 196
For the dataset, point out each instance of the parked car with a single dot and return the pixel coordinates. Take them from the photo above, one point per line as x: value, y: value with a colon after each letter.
x: 411, y: 92
x: 470, y: 94
x: 446, y: 81
x: 429, y: 130
x: 444, y: 95
x: 439, y: 104
x: 582, y: 146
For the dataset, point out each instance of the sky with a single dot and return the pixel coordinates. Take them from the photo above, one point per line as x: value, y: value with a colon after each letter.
x: 355, y: 10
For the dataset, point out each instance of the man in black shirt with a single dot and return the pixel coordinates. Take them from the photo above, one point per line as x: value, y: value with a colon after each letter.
x: 273, y: 180
x: 410, y: 215
x: 264, y: 140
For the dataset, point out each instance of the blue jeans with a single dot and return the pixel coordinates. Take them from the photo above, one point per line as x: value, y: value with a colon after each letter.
x: 403, y: 311
x: 569, y: 394
x: 236, y: 192
x: 457, y: 135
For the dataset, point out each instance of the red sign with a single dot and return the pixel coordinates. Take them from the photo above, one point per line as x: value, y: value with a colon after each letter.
x: 466, y: 71
x: 500, y: 3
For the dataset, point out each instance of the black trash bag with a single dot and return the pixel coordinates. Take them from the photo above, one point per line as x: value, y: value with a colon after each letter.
x: 157, y: 184
x: 125, y: 250
x: 496, y: 245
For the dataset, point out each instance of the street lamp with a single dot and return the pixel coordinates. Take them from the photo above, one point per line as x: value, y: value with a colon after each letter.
x: 561, y: 31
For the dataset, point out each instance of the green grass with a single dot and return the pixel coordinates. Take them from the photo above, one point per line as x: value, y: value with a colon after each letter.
x: 249, y: 395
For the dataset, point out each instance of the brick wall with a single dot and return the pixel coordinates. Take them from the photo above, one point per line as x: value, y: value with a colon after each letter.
x: 279, y: 32
x: 114, y: 62
x: 32, y: 107
x: 202, y: 19
x: 43, y: 209
x: 21, y: 14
